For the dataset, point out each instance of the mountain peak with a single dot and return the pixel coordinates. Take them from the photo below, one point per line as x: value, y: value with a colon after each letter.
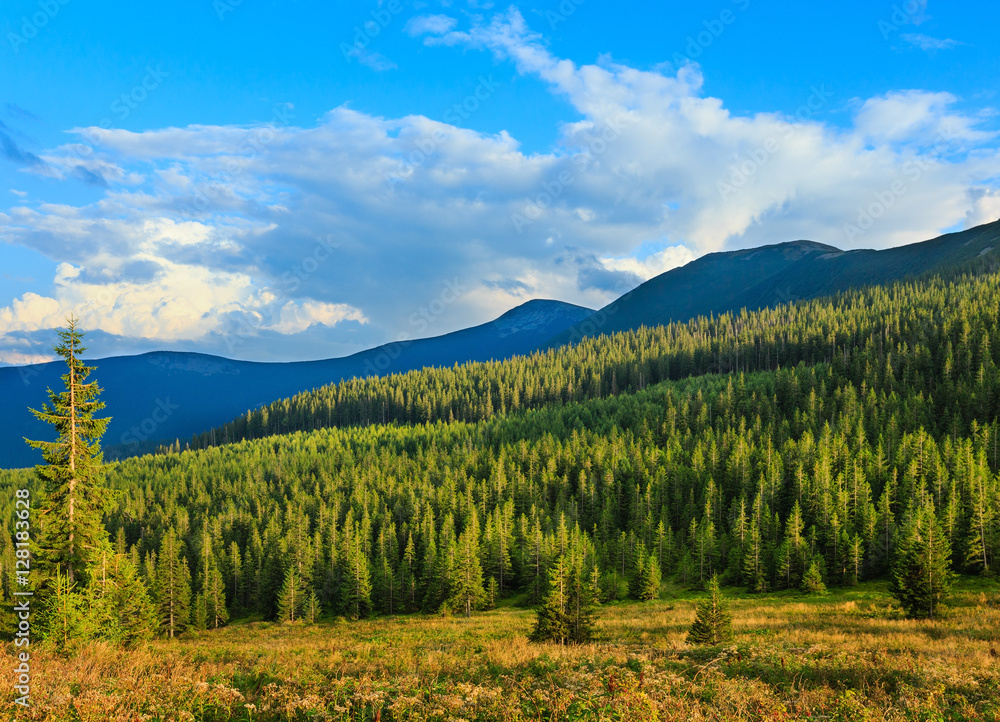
x: 538, y: 313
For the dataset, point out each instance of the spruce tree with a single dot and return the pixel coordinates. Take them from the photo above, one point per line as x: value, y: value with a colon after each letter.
x: 812, y: 580
x: 649, y: 581
x: 753, y: 560
x: 216, y: 613
x: 313, y: 609
x: 467, y: 593
x: 921, y: 571
x: 293, y: 597
x: 639, y: 576
x: 567, y: 613
x: 356, y: 585
x: 64, y: 617
x: 712, y: 623
x: 173, y: 586
x: 553, y: 623
x: 584, y: 596
x: 72, y: 534
x: 120, y: 605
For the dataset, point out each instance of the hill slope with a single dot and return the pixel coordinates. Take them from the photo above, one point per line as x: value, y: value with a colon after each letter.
x: 771, y: 275
x: 162, y: 396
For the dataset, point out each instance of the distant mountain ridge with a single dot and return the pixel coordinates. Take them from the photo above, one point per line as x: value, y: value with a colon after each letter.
x: 165, y: 395
x: 161, y: 396
x: 770, y: 275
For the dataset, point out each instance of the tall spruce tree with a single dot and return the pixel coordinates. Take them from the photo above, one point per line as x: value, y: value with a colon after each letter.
x: 293, y: 598
x: 466, y: 588
x: 173, y: 586
x: 72, y: 533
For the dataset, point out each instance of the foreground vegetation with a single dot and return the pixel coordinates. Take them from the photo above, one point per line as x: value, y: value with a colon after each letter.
x: 843, y: 656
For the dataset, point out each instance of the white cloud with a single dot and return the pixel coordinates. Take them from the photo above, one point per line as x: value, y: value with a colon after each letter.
x: 339, y: 232
x: 653, y: 264
x: 927, y: 43
x: 916, y: 116
x: 985, y: 207
x: 10, y: 357
x: 433, y: 24
x: 376, y: 61
x: 295, y: 318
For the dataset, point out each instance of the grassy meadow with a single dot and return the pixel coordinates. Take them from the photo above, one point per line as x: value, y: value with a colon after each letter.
x: 846, y: 655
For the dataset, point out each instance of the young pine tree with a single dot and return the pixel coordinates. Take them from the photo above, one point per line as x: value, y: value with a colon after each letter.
x: 649, y: 582
x: 567, y: 614
x: 712, y: 623
x: 120, y: 608
x: 553, y: 623
x: 921, y: 570
x: 812, y: 580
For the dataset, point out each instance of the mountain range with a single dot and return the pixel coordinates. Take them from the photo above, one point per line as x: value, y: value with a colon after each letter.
x: 158, y: 397
x: 770, y: 275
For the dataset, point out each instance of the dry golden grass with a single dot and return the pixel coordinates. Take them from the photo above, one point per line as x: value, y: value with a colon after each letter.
x: 844, y: 657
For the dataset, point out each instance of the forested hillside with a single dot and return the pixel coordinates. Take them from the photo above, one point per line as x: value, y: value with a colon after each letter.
x: 920, y: 328
x: 752, y: 445
x: 755, y: 278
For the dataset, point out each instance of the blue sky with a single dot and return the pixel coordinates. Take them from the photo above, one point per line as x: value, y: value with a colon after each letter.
x: 280, y: 181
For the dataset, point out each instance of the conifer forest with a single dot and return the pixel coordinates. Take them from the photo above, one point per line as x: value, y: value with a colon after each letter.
x: 850, y: 442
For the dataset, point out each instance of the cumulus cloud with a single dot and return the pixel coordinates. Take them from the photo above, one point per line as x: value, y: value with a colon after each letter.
x: 338, y: 232
x: 915, y: 116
